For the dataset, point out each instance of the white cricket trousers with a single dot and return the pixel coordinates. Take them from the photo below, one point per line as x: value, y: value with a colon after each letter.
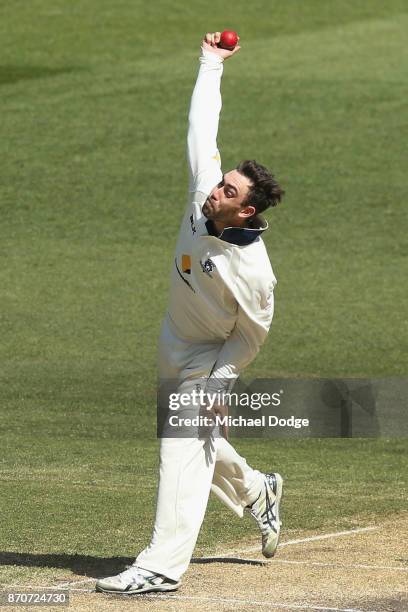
x: 191, y: 467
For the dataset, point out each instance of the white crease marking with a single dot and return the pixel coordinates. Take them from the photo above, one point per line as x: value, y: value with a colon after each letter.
x: 269, y: 604
x: 324, y: 536
x: 342, y: 565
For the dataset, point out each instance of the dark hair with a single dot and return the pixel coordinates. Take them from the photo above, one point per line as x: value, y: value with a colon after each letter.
x: 265, y: 190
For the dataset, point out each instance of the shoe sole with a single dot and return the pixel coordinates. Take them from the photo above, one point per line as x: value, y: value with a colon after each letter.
x: 279, y: 492
x: 146, y: 589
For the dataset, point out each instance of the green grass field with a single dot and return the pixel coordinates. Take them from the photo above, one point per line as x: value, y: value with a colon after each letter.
x: 94, y: 99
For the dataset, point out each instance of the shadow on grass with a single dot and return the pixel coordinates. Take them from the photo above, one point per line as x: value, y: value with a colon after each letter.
x: 82, y: 565
x: 95, y: 567
x: 13, y: 74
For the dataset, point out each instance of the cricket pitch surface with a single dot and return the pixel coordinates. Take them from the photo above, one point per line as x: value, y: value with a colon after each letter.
x: 362, y: 569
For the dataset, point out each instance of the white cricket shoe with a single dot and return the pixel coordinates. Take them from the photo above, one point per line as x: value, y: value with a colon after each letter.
x: 135, y: 580
x: 265, y: 510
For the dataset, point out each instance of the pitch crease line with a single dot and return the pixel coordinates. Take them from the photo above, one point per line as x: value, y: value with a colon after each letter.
x: 341, y: 565
x: 270, y: 604
x: 140, y: 597
x: 252, y: 602
x: 62, y: 586
x: 67, y: 583
x: 324, y: 536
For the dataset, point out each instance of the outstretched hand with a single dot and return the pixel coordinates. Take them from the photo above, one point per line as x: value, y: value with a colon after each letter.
x: 210, y: 43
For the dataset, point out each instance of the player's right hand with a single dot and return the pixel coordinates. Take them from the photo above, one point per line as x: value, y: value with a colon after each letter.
x: 210, y: 42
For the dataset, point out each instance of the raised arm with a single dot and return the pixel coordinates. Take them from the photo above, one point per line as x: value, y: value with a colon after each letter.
x: 202, y: 152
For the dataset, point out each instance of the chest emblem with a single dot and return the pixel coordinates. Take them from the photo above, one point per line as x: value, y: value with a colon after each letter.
x: 207, y: 267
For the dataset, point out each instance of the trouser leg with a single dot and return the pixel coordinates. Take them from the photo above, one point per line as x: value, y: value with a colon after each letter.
x: 186, y: 471
x: 186, y: 466
x: 235, y: 483
x: 189, y: 468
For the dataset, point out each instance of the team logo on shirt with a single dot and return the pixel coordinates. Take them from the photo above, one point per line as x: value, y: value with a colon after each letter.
x: 207, y: 267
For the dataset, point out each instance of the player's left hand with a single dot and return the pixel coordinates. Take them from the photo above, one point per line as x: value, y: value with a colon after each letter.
x: 210, y: 43
x: 222, y: 411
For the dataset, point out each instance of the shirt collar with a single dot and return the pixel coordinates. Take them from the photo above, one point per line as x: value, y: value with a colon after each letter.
x: 241, y: 236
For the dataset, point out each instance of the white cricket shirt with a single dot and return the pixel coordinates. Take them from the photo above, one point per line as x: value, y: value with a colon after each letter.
x: 221, y: 286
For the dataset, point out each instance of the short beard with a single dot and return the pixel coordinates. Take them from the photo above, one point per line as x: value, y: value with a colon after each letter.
x: 208, y: 213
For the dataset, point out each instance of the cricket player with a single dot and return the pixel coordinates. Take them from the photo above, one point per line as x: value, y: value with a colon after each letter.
x: 220, y: 311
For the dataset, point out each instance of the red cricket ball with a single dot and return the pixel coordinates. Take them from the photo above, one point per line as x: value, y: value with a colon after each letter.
x: 228, y: 40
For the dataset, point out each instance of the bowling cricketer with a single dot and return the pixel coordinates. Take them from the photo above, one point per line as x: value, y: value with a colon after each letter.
x: 219, y: 314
